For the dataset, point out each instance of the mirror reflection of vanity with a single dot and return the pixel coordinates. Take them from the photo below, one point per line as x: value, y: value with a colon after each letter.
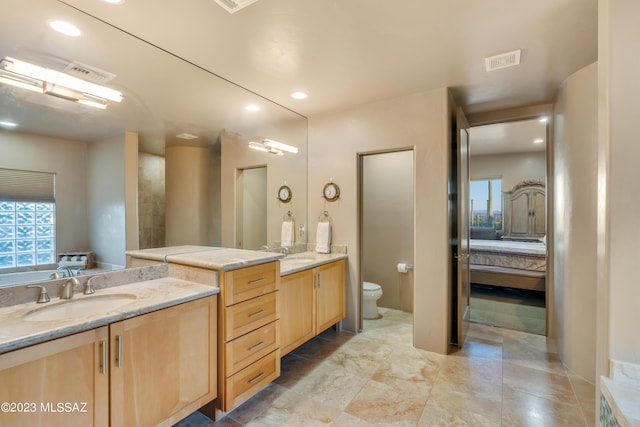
x: 110, y: 165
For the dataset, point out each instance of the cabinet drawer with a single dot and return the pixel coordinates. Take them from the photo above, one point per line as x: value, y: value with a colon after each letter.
x: 248, y: 348
x: 249, y: 315
x: 248, y: 381
x: 250, y: 282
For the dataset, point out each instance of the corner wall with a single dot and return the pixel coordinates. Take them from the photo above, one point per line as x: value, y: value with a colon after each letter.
x: 575, y: 148
x: 420, y: 121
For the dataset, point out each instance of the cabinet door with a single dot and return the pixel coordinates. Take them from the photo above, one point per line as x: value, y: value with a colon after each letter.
x: 64, y: 382
x: 163, y: 364
x: 297, y: 310
x: 520, y: 215
x: 538, y: 207
x: 330, y: 295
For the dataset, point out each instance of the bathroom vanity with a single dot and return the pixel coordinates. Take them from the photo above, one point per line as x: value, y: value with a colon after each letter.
x: 69, y: 362
x: 267, y: 306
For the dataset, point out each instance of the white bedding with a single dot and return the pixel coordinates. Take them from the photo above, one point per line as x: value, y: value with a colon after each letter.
x: 529, y: 256
x: 509, y: 247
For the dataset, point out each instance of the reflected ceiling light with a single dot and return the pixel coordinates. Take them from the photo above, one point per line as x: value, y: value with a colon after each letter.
x: 66, y: 28
x: 252, y: 107
x: 186, y: 136
x: 270, y: 143
x: 538, y: 141
x: 543, y: 119
x: 114, y: 1
x: 44, y: 80
x: 299, y: 95
x: 8, y: 124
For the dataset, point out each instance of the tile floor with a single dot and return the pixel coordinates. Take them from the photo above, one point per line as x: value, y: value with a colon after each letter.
x: 499, y: 378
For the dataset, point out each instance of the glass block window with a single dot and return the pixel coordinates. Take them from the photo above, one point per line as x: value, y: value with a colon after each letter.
x: 27, y: 234
x: 27, y: 218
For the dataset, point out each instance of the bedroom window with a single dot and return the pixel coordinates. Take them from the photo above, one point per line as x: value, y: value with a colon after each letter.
x: 27, y: 218
x: 486, y: 203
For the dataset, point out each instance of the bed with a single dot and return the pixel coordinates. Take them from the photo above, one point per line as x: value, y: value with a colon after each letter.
x: 513, y: 264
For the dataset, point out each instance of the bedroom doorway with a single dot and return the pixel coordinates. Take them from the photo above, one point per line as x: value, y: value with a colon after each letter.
x: 508, y: 222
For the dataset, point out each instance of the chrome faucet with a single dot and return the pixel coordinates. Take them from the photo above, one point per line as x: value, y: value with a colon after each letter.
x: 66, y: 272
x: 67, y: 288
x: 264, y: 248
x: 88, y: 289
x: 285, y: 251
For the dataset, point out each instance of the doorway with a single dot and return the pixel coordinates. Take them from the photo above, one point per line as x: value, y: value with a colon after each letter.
x: 251, y: 207
x: 508, y: 223
x: 386, y: 229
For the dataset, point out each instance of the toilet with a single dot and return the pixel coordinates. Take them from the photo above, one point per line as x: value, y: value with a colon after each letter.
x: 371, y: 292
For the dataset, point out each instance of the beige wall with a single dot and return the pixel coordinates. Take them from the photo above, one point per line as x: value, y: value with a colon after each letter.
x: 619, y: 174
x: 106, y: 200
x: 511, y: 168
x: 67, y: 159
x: 419, y: 121
x: 575, y: 148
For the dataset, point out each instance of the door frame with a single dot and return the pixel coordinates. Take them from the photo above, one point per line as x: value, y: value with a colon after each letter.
x: 525, y: 113
x: 360, y: 167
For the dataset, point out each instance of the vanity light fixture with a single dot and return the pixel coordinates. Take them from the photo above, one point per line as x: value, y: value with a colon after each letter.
x: 543, y: 119
x: 44, y: 80
x: 270, y: 143
x: 66, y: 28
x: 299, y: 95
x: 252, y: 107
x: 538, y: 141
x: 8, y: 124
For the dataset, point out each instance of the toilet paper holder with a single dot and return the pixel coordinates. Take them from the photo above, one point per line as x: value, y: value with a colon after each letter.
x: 404, y: 267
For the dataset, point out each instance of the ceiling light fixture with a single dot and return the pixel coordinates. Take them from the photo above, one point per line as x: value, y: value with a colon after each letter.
x: 543, y: 119
x: 252, y: 107
x: 66, y: 28
x: 538, y: 141
x: 299, y: 95
x: 114, y: 1
x: 8, y: 124
x: 186, y: 136
x: 44, y: 80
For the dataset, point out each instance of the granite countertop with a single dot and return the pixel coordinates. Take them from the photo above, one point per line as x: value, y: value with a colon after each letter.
x: 160, y: 254
x: 147, y: 296
x: 305, y: 260
x: 223, y: 259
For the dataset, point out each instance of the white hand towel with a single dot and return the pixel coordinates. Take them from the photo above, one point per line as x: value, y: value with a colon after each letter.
x: 286, y: 236
x: 323, y: 238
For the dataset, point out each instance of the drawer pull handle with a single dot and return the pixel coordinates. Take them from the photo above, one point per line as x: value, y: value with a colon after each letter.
x: 253, y: 347
x: 103, y: 357
x: 256, y: 378
x: 257, y: 313
x: 253, y: 282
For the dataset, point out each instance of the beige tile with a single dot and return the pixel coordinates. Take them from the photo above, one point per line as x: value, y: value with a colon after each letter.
x: 254, y: 407
x: 408, y: 372
x: 384, y: 405
x: 475, y: 397
x: 523, y: 409
x: 463, y: 370
x: 537, y: 382
x: 435, y: 415
x: 279, y: 411
x: 312, y: 413
x: 348, y: 420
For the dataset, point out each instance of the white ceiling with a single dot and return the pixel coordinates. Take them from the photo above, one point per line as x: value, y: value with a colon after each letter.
x: 342, y: 52
x: 509, y: 137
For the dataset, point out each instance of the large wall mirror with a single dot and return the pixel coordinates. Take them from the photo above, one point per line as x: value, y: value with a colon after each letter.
x: 124, y: 178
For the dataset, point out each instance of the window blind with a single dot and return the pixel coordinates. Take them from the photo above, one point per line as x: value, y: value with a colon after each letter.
x: 19, y: 185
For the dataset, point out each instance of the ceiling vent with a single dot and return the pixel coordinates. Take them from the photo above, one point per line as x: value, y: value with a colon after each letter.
x: 504, y: 60
x: 89, y: 73
x: 232, y: 6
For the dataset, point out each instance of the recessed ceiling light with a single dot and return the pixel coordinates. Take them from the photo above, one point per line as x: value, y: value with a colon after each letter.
x: 299, y: 95
x: 114, y: 1
x: 538, y: 141
x: 252, y: 107
x: 66, y: 28
x: 8, y: 124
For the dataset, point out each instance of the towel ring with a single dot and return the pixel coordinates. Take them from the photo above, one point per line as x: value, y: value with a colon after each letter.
x: 288, y: 216
x: 325, y: 217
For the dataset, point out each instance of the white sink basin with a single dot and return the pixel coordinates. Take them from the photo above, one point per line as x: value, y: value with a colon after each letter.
x: 79, y: 308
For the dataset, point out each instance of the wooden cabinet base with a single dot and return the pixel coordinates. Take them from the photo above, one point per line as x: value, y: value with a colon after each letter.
x: 244, y: 384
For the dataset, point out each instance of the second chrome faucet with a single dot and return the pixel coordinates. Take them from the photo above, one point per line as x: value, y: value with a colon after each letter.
x: 67, y: 288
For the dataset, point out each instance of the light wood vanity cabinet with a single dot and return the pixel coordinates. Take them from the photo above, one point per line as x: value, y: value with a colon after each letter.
x: 163, y: 364
x: 249, y: 332
x: 311, y: 301
x: 153, y: 369
x: 71, y: 369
